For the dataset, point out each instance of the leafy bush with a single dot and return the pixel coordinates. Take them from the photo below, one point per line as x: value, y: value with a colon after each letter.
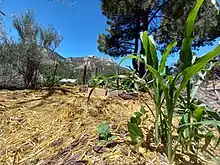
x: 97, y: 80
x: 50, y: 81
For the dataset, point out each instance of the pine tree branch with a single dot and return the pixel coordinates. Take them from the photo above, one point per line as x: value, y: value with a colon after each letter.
x: 159, y: 8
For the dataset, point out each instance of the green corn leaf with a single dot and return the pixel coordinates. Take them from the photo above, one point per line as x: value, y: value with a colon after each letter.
x: 186, y: 54
x: 150, y: 50
x: 191, y: 71
x: 213, y: 114
x: 192, y: 17
x: 160, y: 80
x: 153, y: 54
x: 206, y: 122
x: 131, y: 57
x: 145, y: 39
x: 145, y: 42
x: 165, y: 55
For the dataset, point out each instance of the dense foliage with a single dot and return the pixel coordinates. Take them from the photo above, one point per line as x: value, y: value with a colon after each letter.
x: 25, y: 56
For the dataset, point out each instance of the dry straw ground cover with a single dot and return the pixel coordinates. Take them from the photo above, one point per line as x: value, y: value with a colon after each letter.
x: 58, y: 127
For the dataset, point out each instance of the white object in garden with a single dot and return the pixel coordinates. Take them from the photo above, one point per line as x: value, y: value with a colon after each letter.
x: 71, y: 81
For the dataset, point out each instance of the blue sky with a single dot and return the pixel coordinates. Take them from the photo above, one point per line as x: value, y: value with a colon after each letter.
x: 79, y: 23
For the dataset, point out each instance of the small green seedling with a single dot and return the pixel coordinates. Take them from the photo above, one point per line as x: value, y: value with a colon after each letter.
x: 104, y: 132
x: 134, y: 126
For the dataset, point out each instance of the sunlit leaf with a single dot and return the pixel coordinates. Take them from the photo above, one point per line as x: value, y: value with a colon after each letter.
x: 135, y: 132
x: 165, y: 55
x: 206, y: 122
x: 191, y: 71
x: 138, y: 118
x: 198, y: 113
x: 186, y: 54
x: 131, y: 57
x: 138, y: 114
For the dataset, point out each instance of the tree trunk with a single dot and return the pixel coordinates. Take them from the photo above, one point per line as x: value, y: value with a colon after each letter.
x: 137, y: 36
x: 84, y: 75
x: 141, y: 66
x: 54, y: 73
x: 96, y: 71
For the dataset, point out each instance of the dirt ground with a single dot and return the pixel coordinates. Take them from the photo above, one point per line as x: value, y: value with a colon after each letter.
x: 58, y: 127
x: 210, y: 95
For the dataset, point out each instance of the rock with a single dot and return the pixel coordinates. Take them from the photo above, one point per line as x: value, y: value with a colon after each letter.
x: 114, y: 93
x: 127, y: 96
x: 99, y: 149
x: 83, y: 88
x: 2, y: 152
x: 97, y: 92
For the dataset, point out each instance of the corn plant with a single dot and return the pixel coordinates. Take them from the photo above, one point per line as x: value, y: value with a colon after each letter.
x: 169, y: 88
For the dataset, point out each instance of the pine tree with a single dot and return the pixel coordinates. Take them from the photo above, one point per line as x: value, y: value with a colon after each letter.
x: 164, y: 19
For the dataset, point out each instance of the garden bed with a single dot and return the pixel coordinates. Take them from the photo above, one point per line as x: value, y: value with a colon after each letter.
x: 57, y: 126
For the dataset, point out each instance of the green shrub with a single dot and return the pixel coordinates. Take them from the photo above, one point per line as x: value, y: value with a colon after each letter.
x: 97, y: 80
x: 50, y: 81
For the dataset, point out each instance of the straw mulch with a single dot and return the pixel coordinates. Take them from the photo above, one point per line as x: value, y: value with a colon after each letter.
x: 58, y: 127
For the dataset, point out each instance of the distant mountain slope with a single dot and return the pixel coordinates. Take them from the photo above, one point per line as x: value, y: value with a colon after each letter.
x: 73, y: 67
